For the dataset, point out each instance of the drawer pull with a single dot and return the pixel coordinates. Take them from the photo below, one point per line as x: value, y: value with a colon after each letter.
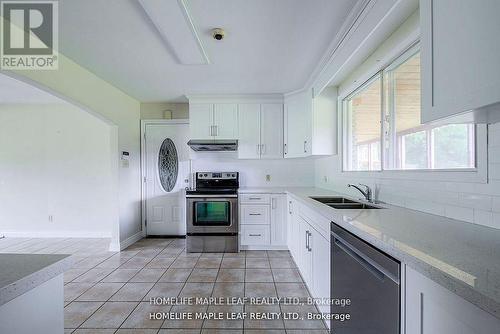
x: 255, y: 198
x: 255, y: 235
x: 254, y: 214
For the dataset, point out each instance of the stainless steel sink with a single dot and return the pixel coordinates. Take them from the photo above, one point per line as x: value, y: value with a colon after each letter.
x: 343, y: 203
x: 346, y: 206
x: 333, y: 200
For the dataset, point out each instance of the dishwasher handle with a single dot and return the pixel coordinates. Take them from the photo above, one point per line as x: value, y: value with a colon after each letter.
x: 371, y: 266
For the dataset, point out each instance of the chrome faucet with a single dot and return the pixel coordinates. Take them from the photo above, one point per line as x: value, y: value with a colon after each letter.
x: 367, y: 192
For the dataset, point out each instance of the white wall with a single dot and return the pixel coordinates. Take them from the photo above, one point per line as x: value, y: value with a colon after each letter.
x: 165, y: 110
x: 284, y: 172
x: 470, y: 198
x: 81, y: 87
x: 55, y: 160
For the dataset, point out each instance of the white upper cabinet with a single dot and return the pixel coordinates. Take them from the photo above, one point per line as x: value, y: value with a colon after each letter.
x: 201, y: 120
x: 249, y: 131
x: 460, y: 54
x: 213, y: 121
x: 271, y: 131
x: 260, y: 131
x: 310, y: 124
x: 255, y: 121
x: 298, y: 125
x: 226, y: 120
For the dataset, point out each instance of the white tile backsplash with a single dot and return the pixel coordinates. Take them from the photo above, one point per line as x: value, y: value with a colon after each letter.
x: 283, y: 172
x: 459, y: 213
x: 474, y: 202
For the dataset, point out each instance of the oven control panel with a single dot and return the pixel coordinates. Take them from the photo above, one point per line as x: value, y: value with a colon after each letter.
x: 217, y: 175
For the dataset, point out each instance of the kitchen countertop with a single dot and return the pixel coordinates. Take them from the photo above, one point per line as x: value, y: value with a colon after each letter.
x: 460, y: 256
x: 20, y: 273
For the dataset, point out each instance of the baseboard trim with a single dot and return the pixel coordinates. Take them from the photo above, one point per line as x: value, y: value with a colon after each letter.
x: 269, y: 247
x: 55, y: 234
x: 130, y: 240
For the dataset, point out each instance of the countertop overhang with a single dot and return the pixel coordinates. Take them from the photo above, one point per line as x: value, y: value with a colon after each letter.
x: 460, y: 256
x: 20, y: 273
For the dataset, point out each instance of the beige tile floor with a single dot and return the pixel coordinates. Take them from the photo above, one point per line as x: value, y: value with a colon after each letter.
x: 109, y: 292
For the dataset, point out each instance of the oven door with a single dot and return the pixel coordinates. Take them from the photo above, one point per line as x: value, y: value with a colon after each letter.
x: 207, y: 214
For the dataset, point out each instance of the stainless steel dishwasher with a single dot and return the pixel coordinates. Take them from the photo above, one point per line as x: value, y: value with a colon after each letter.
x: 370, y: 279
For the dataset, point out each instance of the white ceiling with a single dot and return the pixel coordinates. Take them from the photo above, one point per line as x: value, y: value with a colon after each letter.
x: 271, y: 46
x: 13, y: 91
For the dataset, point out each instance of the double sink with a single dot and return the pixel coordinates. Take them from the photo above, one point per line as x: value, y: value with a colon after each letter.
x: 344, y: 203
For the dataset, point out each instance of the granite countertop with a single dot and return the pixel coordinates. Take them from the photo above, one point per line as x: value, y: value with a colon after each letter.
x: 20, y: 273
x: 460, y: 256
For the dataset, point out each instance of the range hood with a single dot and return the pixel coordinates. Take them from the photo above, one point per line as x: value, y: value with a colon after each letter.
x: 208, y: 145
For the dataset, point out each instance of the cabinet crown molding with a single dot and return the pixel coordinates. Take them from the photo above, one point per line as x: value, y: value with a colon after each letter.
x: 243, y: 98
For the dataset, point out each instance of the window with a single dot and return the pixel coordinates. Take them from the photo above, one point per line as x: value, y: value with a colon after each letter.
x: 362, y: 125
x: 386, y: 110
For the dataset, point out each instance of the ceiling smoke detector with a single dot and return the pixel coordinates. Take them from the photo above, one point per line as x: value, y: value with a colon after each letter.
x: 218, y: 34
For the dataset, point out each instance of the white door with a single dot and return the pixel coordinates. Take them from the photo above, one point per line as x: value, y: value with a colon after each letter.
x: 226, y: 120
x: 272, y: 131
x: 165, y: 200
x: 249, y: 131
x: 201, y: 119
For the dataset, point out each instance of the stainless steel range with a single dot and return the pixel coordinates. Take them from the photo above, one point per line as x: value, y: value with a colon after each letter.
x: 212, y: 213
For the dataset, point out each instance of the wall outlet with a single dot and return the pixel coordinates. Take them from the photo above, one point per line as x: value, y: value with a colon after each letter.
x: 268, y: 177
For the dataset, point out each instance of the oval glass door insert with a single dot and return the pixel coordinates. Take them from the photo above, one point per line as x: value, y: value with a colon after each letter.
x: 168, y: 165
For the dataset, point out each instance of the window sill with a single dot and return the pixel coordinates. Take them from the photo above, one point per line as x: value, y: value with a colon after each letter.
x: 469, y: 175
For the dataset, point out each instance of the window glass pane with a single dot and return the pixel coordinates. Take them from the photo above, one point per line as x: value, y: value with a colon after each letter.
x: 375, y: 156
x: 414, y: 150
x: 362, y: 159
x: 363, y: 113
x: 406, y: 83
x: 452, y: 147
x: 412, y: 145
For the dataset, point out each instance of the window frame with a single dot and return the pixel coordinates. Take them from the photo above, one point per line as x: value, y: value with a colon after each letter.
x: 394, y: 58
x: 346, y: 140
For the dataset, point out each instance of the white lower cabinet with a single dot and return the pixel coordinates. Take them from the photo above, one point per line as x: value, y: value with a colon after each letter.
x: 305, y: 257
x: 320, y: 247
x: 293, y: 229
x: 255, y: 235
x: 278, y: 220
x: 255, y: 214
x: 263, y: 223
x: 310, y: 250
x: 433, y: 309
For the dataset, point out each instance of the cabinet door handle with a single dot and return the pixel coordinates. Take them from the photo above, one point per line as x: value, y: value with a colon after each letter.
x: 290, y: 207
x: 211, y: 130
x: 262, y: 149
x: 307, y: 240
x: 258, y: 149
x: 286, y: 149
x: 255, y: 214
x: 255, y: 235
x: 305, y: 146
x: 255, y: 198
x: 216, y: 130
